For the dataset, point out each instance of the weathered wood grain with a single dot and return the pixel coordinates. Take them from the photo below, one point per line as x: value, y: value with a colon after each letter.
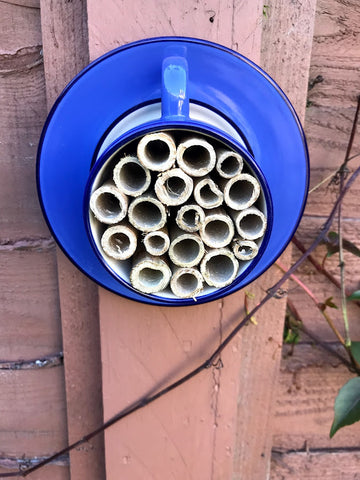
x: 337, y: 465
x: 29, y: 319
x: 309, y: 382
x: 22, y: 114
x: 65, y: 43
x: 54, y: 472
x: 319, y: 284
x: 32, y: 405
x: 332, y: 102
x: 32, y: 401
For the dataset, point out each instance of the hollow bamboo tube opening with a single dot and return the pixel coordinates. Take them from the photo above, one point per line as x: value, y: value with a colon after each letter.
x: 119, y: 242
x: 157, y: 243
x: 186, y: 282
x: 229, y: 163
x: 131, y: 177
x: 241, y: 192
x: 219, y: 267
x: 149, y: 274
x: 157, y: 151
x: 190, y: 217
x: 147, y: 213
x: 186, y: 249
x: 174, y: 187
x: 207, y: 194
x: 108, y: 204
x: 245, y: 249
x: 217, y: 230
x: 250, y: 223
x: 196, y: 157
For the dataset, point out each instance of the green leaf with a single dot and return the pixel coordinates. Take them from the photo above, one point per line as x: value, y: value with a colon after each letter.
x: 354, y: 296
x: 330, y: 303
x: 355, y: 351
x: 347, y: 405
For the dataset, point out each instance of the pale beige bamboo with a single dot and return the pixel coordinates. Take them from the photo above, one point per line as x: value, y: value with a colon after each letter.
x: 196, y: 156
x: 241, y: 191
x: 149, y: 274
x: 186, y: 249
x: 131, y: 177
x: 157, y: 243
x: 190, y: 217
x: 173, y: 187
x: 147, y: 213
x: 108, y: 204
x: 217, y: 230
x: 250, y: 223
x: 119, y: 241
x: 228, y: 163
x: 207, y: 194
x: 244, y: 249
x: 157, y: 151
x: 219, y: 267
x: 186, y: 282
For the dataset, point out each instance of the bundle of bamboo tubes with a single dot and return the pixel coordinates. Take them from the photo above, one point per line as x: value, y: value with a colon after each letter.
x: 186, y: 210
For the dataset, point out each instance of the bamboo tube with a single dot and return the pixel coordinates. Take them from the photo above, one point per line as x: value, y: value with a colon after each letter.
x: 157, y: 151
x: 241, y: 192
x: 108, y: 204
x: 147, y: 213
x: 131, y: 177
x: 250, y: 223
x: 190, y: 217
x: 157, y: 243
x: 186, y: 249
x: 229, y: 163
x: 149, y: 274
x: 196, y: 157
x: 244, y: 249
x: 186, y: 282
x: 217, y: 230
x: 219, y: 267
x: 207, y: 194
x: 173, y: 187
x: 119, y: 242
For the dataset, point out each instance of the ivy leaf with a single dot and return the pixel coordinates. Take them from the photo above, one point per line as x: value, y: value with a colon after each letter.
x: 330, y: 303
x: 332, y: 245
x: 355, y: 351
x: 354, y: 296
x: 347, y: 405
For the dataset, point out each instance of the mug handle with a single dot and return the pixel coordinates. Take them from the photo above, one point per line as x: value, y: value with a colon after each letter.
x: 174, y: 88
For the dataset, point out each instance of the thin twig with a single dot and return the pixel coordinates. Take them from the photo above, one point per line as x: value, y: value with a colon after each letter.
x: 342, y: 172
x: 317, y: 340
x: 211, y: 361
x: 319, y: 305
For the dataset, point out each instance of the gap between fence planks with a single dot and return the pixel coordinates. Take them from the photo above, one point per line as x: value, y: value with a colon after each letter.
x: 64, y: 32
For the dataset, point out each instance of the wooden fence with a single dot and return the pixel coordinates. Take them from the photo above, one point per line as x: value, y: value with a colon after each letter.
x: 72, y: 354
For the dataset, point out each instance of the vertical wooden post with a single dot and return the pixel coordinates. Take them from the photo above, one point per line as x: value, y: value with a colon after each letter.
x: 65, y: 46
x: 195, y: 432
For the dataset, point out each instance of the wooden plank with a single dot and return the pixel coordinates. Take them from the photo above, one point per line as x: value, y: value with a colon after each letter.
x: 137, y: 351
x: 320, y: 285
x: 52, y: 471
x: 29, y: 319
x: 32, y: 401
x: 64, y: 30
x: 23, y: 112
x: 309, y: 382
x: 311, y: 466
x: 185, y: 333
x: 32, y: 404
